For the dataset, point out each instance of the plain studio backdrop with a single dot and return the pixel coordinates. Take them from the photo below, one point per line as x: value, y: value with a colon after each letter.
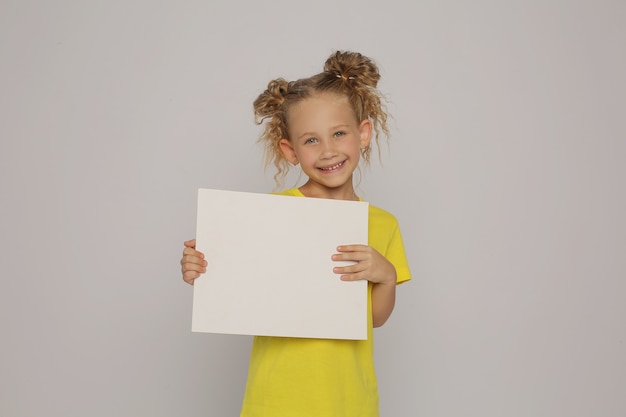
x: 506, y: 170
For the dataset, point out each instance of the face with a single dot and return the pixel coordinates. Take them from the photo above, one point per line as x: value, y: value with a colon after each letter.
x: 326, y: 138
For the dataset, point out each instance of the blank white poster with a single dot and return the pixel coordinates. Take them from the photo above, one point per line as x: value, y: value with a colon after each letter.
x: 269, y: 267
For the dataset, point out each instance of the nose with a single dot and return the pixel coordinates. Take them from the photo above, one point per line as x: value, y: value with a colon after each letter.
x: 328, y: 149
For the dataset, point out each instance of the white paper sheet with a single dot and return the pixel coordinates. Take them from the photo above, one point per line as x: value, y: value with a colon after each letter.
x: 269, y: 266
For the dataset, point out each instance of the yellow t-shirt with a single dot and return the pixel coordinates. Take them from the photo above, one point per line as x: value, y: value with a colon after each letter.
x: 299, y: 377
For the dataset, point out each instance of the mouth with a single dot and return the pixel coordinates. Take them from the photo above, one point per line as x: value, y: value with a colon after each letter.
x: 332, y: 167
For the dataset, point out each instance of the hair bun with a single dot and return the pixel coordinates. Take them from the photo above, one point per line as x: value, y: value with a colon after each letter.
x: 271, y: 100
x: 353, y: 66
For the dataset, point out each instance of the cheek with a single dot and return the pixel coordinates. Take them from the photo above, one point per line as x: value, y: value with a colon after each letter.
x: 355, y: 147
x: 303, y: 154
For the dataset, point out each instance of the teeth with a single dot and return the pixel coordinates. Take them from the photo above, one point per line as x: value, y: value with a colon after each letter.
x: 333, y: 167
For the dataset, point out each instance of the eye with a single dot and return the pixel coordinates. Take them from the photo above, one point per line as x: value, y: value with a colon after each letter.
x: 310, y: 140
x: 339, y: 134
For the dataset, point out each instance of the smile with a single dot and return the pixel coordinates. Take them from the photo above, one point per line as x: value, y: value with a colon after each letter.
x: 332, y: 168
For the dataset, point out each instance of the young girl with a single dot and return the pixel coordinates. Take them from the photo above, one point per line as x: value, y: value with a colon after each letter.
x: 324, y: 123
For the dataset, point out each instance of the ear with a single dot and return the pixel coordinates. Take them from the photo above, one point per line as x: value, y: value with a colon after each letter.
x: 286, y: 148
x: 365, y: 129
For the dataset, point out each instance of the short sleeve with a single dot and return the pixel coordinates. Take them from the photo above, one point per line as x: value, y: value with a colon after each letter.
x: 385, y: 236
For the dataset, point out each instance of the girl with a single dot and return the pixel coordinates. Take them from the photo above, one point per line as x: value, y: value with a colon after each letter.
x: 324, y: 123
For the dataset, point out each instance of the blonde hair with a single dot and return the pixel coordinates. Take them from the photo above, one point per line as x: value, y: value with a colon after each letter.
x: 348, y: 74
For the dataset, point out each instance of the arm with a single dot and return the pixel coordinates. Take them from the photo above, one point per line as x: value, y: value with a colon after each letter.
x: 383, y: 302
x: 371, y: 266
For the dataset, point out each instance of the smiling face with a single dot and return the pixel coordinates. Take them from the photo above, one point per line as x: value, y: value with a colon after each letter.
x: 326, y: 138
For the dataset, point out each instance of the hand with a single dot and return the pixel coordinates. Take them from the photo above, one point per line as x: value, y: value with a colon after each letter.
x: 370, y: 265
x: 192, y: 263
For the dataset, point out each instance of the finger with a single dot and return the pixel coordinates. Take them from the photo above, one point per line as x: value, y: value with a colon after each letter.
x: 351, y: 256
x: 349, y: 269
x: 189, y: 277
x: 353, y: 277
x: 194, y: 266
x: 190, y: 243
x: 193, y: 260
x: 191, y: 272
x: 351, y: 248
x: 192, y: 252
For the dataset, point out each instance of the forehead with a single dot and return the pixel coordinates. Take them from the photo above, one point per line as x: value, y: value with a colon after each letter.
x: 319, y: 108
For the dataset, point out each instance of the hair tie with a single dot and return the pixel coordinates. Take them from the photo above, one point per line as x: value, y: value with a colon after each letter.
x: 344, y: 77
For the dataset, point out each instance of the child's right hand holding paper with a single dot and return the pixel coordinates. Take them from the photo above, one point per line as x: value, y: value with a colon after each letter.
x: 192, y: 263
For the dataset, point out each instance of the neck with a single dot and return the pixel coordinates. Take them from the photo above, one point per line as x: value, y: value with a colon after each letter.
x: 341, y: 193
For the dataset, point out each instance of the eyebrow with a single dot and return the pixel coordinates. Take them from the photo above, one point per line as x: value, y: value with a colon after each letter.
x: 305, y: 134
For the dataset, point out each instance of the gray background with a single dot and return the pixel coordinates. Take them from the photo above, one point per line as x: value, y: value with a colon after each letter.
x: 505, y: 170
